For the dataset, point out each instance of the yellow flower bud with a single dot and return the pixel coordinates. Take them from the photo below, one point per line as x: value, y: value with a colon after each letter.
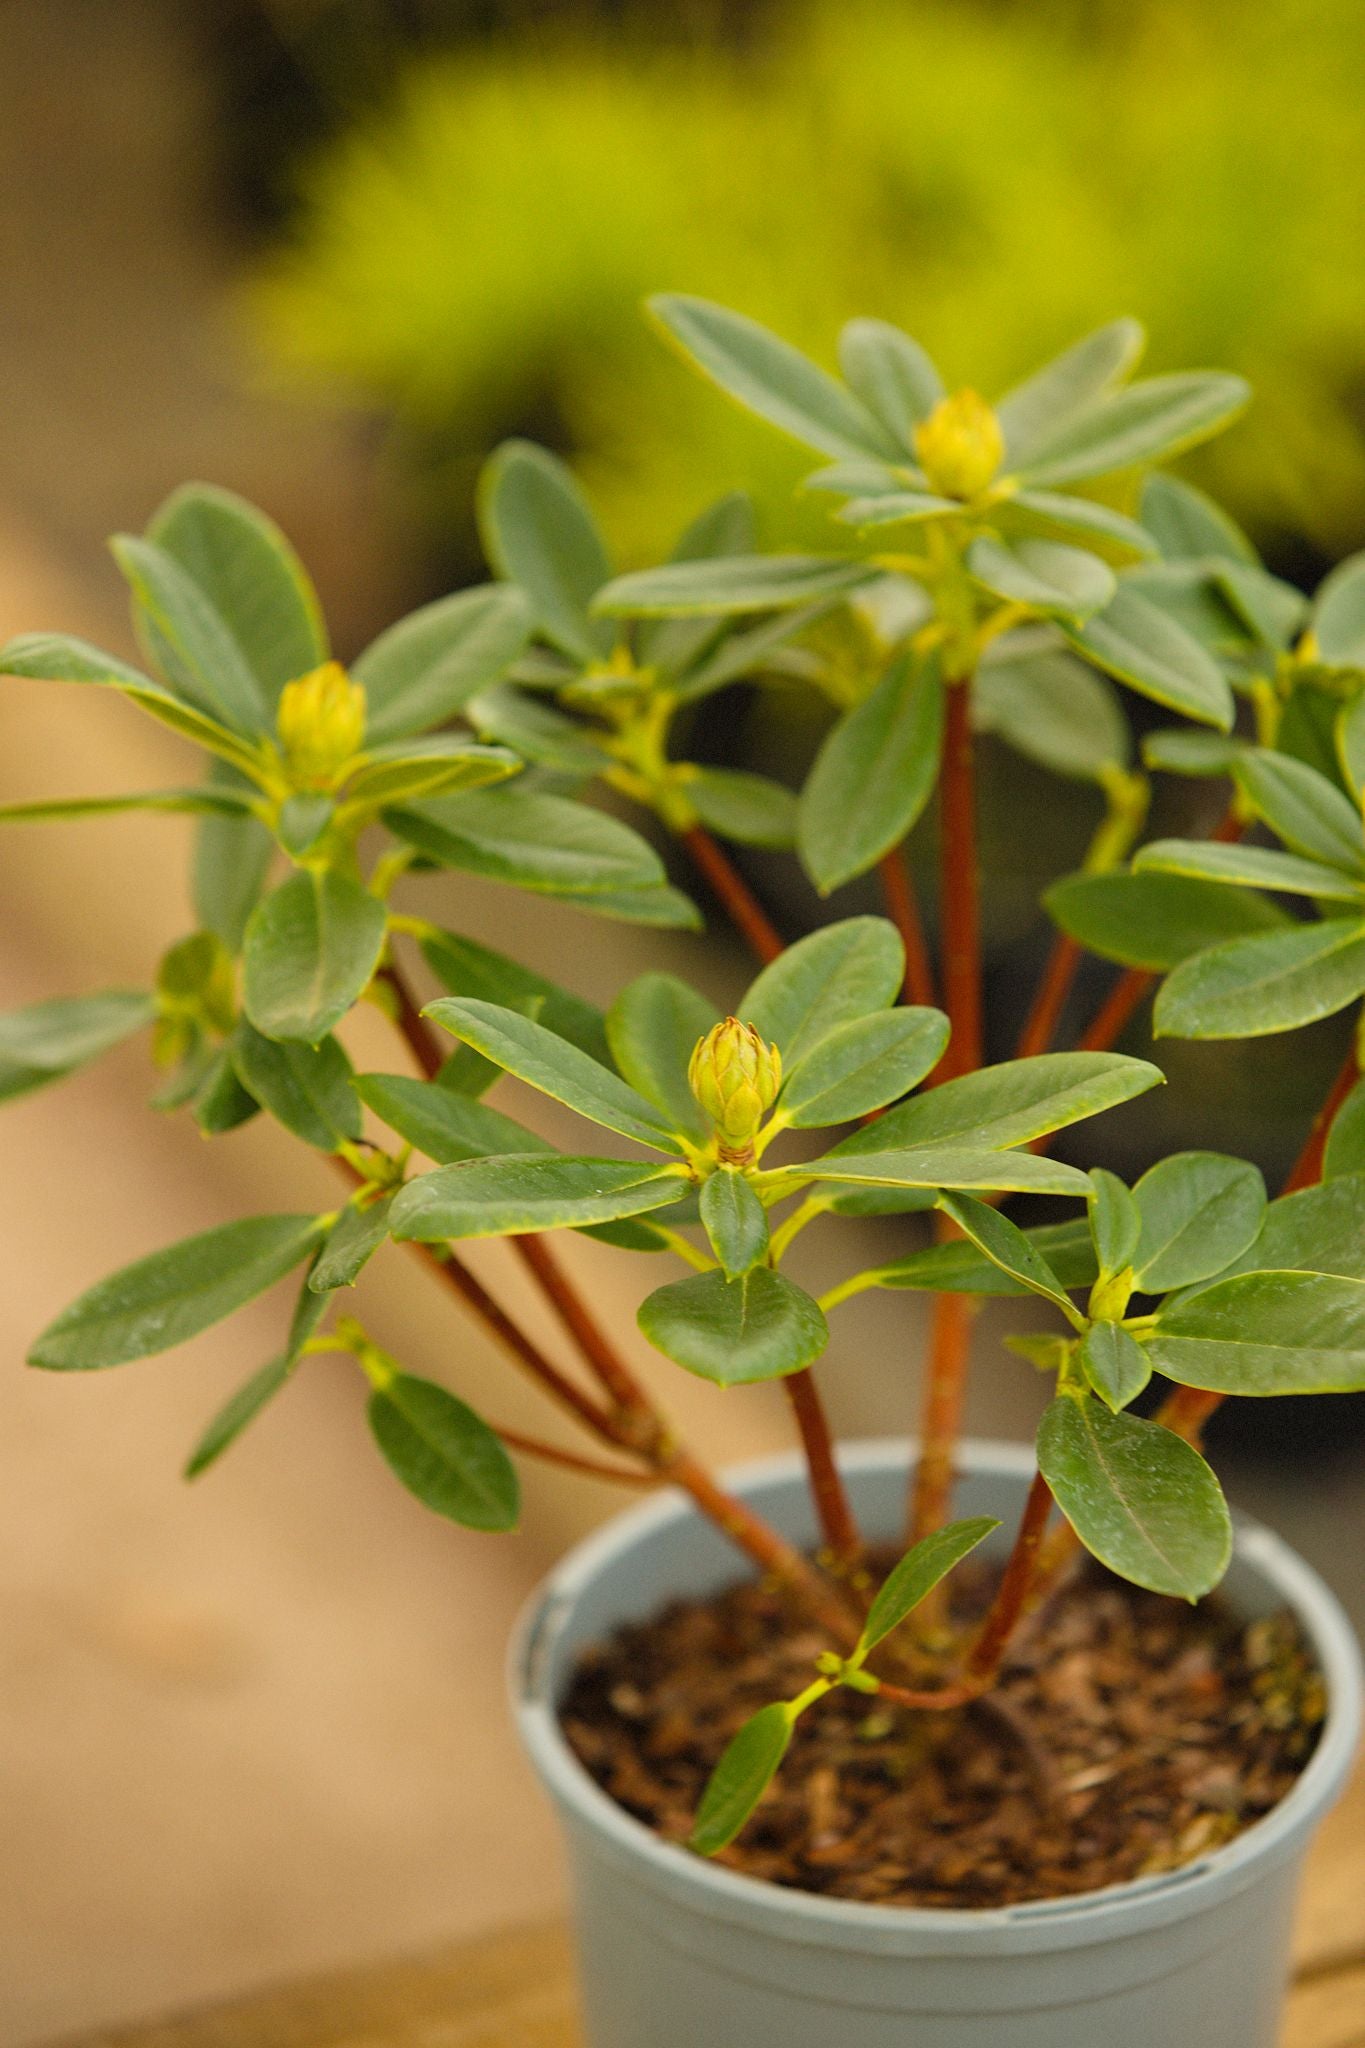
x: 735, y: 1075
x: 960, y: 445
x: 320, y: 724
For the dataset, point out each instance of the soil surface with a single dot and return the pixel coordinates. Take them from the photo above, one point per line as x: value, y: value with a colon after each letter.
x: 1129, y: 1734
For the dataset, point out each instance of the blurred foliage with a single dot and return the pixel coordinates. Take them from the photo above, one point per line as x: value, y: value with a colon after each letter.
x: 471, y: 258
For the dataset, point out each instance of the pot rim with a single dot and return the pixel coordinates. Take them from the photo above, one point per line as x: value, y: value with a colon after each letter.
x: 1073, y: 1920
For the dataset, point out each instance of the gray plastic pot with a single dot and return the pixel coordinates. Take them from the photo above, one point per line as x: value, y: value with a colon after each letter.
x: 677, y: 1953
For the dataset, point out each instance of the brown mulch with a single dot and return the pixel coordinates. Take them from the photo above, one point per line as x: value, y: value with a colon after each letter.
x: 1129, y: 1734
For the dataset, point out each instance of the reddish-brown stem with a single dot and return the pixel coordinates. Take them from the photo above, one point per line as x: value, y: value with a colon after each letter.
x: 1185, y: 1411
x: 993, y: 1639
x: 898, y: 889
x: 1307, y: 1168
x: 837, y: 1523
x: 741, y: 905
x: 591, y: 1468
x: 1045, y: 1012
x: 1114, y: 1012
x: 959, y: 885
x: 941, y: 1415
x: 423, y: 1042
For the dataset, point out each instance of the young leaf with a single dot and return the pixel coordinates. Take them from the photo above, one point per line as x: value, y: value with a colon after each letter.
x: 1009, y: 1104
x: 525, y: 1048
x: 1115, y: 1221
x: 354, y: 1240
x: 202, y: 659
x: 1250, y: 987
x: 49, y: 1040
x: 1339, y: 615
x: 1115, y: 1364
x: 546, y: 843
x: 1249, y: 867
x: 445, y: 1124
x: 861, y: 1065
x: 748, y: 808
x: 1034, y: 412
x: 745, y: 650
x: 1266, y: 1333
x: 917, y: 1574
x: 422, y: 671
x: 1133, y: 640
x: 251, y: 576
x: 1156, y: 920
x: 1049, y: 706
x: 539, y: 532
x: 895, y: 508
x: 509, y: 1196
x: 727, y: 527
x: 735, y: 1221
x: 444, y: 1453
x: 62, y: 658
x: 1140, y: 1498
x: 735, y: 1332
x: 772, y: 378
x: 1006, y: 1246
x: 187, y: 802
x: 748, y: 1765
x: 1182, y: 752
x: 307, y: 1088
x: 1050, y: 578
x: 845, y: 970
x: 1188, y: 526
x: 653, y: 1027
x: 1145, y: 422
x: 1055, y: 515
x: 240, y: 1409
x: 946, y: 1166
x: 741, y: 583
x: 1307, y: 811
x: 311, y: 948
x: 892, y: 376
x: 162, y: 1300
x: 441, y: 764
x: 959, y: 1268
x: 1198, y: 1211
x: 465, y: 968
x: 873, y: 775
x: 195, y: 726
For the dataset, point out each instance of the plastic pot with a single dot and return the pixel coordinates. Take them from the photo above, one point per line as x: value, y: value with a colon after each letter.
x: 678, y: 1953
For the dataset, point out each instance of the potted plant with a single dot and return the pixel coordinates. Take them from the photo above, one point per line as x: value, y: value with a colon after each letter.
x: 895, y: 1731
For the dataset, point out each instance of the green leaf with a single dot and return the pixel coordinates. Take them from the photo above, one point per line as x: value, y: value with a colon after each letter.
x: 1052, y: 513
x: 302, y: 821
x: 465, y: 968
x: 917, y: 1574
x: 311, y: 948
x: 252, y: 578
x: 846, y: 970
x: 539, y: 532
x: 62, y: 658
x: 202, y: 660
x: 1345, y: 1152
x: 735, y: 1332
x: 233, y: 1417
x: 895, y: 508
x: 1250, y: 987
x: 1006, y: 1246
x: 861, y: 1065
x: 959, y: 1268
x: 1249, y: 867
x: 1316, y: 1230
x: 1140, y: 1498
x: 307, y: 1088
x: 658, y: 905
x: 747, y: 650
x: 1338, y: 616
x: 1306, y: 810
x: 653, y: 1028
x: 874, y: 774
x: 1115, y: 1364
x: 162, y: 1300
x: 509, y: 1196
x: 739, y: 583
x: 444, y: 1454
x: 748, y: 1764
x: 546, y: 843
x: 536, y: 730
x: 726, y: 528
x: 1350, y: 739
x: 440, y: 764
x: 192, y: 802
x: 1009, y: 1104
x: 1266, y: 1333
x: 1156, y: 920
x: 355, y: 1240
x: 749, y: 808
x: 1271, y: 611
x: 1115, y: 1222
x: 431, y: 664
x: 1182, y: 752
x: 525, y: 1048
x: 1188, y: 526
x: 445, y: 1124
x: 46, y: 1041
x: 222, y: 1103
x: 892, y: 376
x: 947, y: 1166
x: 232, y: 858
x: 194, y: 726
x: 1050, y: 707
x: 1034, y: 412
x: 1047, y: 576
x: 1145, y: 422
x: 1133, y: 640
x: 1198, y: 1211
x: 772, y: 378
x: 735, y: 1221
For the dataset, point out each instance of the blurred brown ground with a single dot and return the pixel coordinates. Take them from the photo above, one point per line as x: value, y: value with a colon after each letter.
x: 255, y: 1728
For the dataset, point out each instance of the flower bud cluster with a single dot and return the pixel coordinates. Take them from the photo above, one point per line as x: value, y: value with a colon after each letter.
x: 320, y: 725
x: 960, y: 445
x: 735, y: 1075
